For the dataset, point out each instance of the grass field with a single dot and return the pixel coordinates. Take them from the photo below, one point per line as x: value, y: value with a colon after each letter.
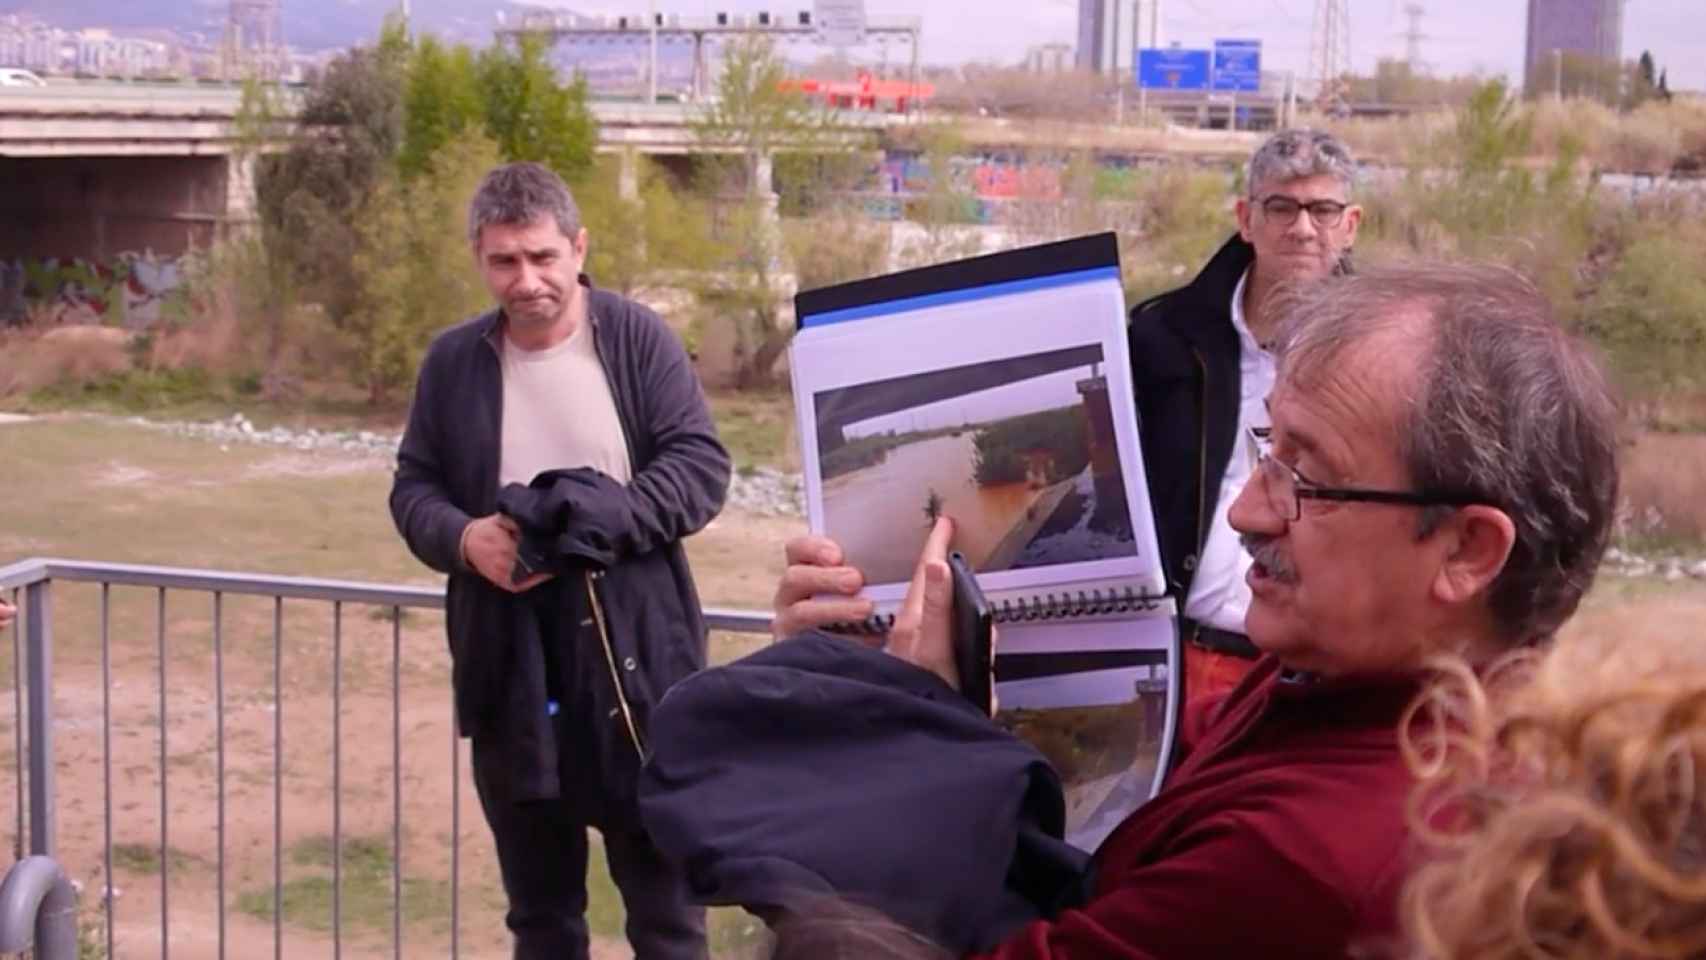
x: 96, y: 489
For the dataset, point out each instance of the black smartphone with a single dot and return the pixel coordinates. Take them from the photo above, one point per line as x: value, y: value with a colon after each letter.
x: 974, y: 639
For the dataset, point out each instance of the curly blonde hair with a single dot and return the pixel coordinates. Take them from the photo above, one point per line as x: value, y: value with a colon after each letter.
x: 1562, y: 805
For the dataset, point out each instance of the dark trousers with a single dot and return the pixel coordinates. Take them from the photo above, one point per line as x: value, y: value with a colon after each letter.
x: 542, y: 853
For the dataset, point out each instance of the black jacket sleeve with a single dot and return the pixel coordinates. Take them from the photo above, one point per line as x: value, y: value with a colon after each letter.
x: 680, y: 486
x: 431, y: 524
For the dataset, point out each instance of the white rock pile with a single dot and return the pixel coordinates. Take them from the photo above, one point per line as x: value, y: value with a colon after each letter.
x: 1622, y: 563
x: 239, y: 429
x: 768, y: 491
x: 762, y: 490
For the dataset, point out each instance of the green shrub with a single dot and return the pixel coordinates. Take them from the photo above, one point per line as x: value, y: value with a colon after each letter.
x: 859, y: 454
x: 1650, y: 313
x: 1001, y: 447
x: 1184, y: 215
x: 131, y: 391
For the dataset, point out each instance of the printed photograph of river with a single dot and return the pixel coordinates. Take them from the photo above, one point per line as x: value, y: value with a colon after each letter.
x: 1106, y: 753
x: 1019, y: 452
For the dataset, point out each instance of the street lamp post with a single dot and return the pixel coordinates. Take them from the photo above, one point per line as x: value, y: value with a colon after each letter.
x: 652, y: 60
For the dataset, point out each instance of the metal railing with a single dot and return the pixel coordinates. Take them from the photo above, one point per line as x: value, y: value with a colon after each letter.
x: 31, y: 584
x: 38, y: 910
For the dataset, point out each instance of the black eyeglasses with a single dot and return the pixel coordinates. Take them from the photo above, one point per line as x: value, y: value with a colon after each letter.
x: 1284, y: 210
x: 1287, y: 489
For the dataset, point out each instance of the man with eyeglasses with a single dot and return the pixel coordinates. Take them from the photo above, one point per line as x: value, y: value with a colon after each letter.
x: 1437, y: 479
x: 1201, y: 369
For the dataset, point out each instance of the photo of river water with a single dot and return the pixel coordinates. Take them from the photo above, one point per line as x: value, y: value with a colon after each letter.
x: 879, y: 513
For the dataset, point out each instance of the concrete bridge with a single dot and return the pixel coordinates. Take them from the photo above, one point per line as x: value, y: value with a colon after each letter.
x: 93, y: 169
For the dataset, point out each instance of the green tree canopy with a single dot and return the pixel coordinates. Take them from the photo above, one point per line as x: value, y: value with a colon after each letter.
x: 361, y: 212
x: 512, y: 94
x: 441, y: 102
x: 753, y: 121
x: 530, y: 113
x: 349, y: 130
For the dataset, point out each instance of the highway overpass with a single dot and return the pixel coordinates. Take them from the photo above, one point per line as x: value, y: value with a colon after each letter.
x: 93, y: 169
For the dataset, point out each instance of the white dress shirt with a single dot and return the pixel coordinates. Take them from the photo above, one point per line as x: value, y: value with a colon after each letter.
x: 1219, y: 595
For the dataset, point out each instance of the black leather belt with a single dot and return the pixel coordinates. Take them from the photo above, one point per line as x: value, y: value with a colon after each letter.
x: 1216, y: 640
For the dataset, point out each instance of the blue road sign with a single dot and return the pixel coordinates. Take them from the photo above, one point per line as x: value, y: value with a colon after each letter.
x: 1172, y: 69
x: 1238, y: 65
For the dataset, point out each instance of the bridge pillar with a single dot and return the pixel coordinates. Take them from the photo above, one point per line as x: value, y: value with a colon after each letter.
x: 764, y: 187
x: 240, y: 206
x: 628, y: 175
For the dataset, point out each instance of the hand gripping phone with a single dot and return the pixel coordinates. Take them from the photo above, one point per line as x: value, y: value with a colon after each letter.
x: 974, y: 640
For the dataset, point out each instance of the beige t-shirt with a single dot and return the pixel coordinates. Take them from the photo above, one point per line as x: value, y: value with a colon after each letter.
x: 559, y: 413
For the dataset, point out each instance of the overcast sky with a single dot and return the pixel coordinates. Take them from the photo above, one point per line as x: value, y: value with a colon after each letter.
x: 1048, y: 392
x: 1461, y: 35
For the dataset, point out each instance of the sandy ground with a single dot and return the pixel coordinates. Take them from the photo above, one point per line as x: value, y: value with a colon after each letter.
x: 735, y: 560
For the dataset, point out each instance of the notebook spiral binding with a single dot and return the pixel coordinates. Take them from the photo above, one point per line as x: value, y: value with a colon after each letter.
x: 1047, y: 606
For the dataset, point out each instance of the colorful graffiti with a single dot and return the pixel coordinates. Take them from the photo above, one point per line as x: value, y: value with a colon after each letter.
x: 987, y: 182
x: 127, y: 291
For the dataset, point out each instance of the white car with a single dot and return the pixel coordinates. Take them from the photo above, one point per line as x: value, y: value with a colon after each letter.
x: 13, y: 77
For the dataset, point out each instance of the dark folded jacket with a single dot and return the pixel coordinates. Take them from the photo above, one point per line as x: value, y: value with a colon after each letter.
x: 569, y: 519
x: 820, y: 766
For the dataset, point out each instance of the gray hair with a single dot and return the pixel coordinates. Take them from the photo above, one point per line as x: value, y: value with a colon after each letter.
x: 1503, y: 407
x: 522, y: 193
x: 1291, y: 154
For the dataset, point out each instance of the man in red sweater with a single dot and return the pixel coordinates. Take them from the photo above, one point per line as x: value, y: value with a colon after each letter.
x: 1440, y: 478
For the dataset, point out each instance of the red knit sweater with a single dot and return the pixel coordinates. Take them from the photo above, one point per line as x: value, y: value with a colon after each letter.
x: 1280, y: 834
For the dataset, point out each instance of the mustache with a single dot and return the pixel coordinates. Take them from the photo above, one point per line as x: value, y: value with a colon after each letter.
x: 1267, y: 554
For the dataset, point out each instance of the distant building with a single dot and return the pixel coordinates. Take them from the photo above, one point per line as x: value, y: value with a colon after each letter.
x: 1588, y: 29
x: 1100, y: 29
x: 100, y: 54
x: 95, y: 52
x: 1050, y: 58
x: 31, y: 45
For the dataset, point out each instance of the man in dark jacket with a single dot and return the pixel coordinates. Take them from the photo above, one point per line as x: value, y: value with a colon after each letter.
x: 557, y: 451
x: 1201, y: 370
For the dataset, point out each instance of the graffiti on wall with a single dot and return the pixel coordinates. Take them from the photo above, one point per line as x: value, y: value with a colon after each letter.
x: 128, y: 291
x: 988, y: 182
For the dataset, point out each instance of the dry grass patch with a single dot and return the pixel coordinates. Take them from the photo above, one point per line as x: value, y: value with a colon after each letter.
x: 1664, y: 489
x: 98, y: 489
x: 40, y: 356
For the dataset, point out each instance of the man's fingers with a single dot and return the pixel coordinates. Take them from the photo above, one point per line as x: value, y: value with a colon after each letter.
x: 941, y: 536
x: 815, y: 551
x: 809, y: 614
x: 508, y: 524
x: 938, y: 593
x: 802, y: 583
x: 936, y: 632
x: 935, y: 551
x: 531, y: 582
x: 924, y: 637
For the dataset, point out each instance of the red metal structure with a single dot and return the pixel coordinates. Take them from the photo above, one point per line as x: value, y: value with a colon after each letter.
x: 865, y: 93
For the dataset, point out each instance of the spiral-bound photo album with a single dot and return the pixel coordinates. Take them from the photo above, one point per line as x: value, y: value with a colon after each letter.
x: 997, y: 391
